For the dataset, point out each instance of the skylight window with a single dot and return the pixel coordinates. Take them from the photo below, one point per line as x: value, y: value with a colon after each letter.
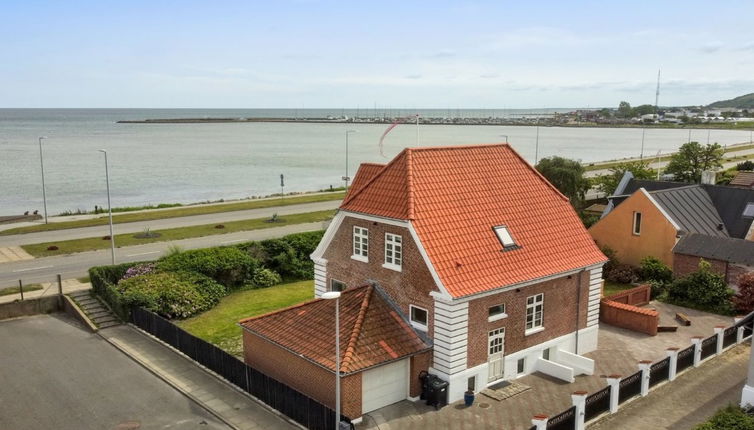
x: 749, y: 210
x: 504, y: 236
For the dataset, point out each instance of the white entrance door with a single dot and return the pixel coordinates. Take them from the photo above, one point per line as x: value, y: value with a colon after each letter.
x: 384, y: 385
x: 496, y: 347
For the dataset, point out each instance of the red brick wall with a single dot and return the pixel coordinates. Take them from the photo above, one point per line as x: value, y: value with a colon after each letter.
x: 418, y: 363
x: 629, y: 317
x: 684, y: 264
x: 411, y: 285
x: 304, y: 376
x: 634, y: 296
x: 559, y: 316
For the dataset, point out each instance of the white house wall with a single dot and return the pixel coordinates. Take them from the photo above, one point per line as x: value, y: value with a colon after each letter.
x: 595, y: 295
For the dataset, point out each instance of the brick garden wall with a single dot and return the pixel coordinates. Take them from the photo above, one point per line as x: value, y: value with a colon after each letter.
x: 629, y: 317
x: 637, y: 296
x: 684, y: 264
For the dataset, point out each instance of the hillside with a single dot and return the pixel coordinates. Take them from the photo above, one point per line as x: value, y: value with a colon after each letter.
x: 742, y: 102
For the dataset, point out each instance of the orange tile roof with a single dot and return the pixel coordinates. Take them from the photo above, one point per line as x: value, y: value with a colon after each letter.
x: 366, y: 172
x: 455, y: 195
x: 372, y: 331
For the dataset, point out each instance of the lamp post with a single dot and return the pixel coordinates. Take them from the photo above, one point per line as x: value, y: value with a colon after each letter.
x: 42, y: 165
x: 329, y: 296
x: 505, y: 136
x: 347, y: 178
x: 109, y: 207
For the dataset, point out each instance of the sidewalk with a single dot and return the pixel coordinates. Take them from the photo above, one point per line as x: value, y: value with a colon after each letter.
x: 689, y: 400
x: 48, y: 289
x: 224, y: 401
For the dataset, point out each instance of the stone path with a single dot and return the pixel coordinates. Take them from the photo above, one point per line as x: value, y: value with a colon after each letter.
x: 235, y: 408
x: 689, y: 400
x: 13, y: 253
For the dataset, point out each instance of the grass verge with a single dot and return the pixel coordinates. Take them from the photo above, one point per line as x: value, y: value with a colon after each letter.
x: 129, y: 239
x: 14, y: 290
x: 219, y: 324
x: 614, y: 287
x: 179, y: 212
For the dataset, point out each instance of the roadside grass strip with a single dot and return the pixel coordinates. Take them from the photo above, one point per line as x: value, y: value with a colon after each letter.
x: 47, y: 249
x: 219, y: 325
x: 178, y: 212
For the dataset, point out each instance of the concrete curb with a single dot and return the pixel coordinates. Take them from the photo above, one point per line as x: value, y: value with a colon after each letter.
x: 165, y: 379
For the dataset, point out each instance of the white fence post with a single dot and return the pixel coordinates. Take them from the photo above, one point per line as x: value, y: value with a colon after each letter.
x: 697, y: 341
x: 540, y: 421
x: 644, y: 367
x: 673, y: 354
x: 579, y: 400
x: 614, y: 382
x: 719, y: 330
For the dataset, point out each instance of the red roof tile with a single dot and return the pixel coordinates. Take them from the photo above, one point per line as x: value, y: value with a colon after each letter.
x: 454, y: 196
x: 366, y: 172
x: 371, y: 330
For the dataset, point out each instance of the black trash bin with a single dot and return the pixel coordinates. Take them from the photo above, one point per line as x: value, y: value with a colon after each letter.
x: 434, y: 391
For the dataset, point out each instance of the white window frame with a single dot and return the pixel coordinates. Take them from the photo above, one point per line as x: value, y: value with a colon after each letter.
x: 637, y: 215
x: 418, y: 324
x: 393, y: 251
x: 496, y: 317
x: 748, y: 210
x: 333, y: 280
x: 537, y: 306
x: 360, y: 244
x: 504, y: 236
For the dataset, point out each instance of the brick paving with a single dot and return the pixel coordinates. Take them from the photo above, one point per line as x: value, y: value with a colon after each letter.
x: 13, y: 253
x: 619, y: 352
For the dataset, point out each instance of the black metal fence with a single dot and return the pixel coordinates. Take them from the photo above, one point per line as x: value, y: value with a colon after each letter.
x: 565, y: 420
x: 290, y: 402
x: 659, y: 372
x: 709, y: 346
x: 685, y: 358
x: 729, y: 336
x: 629, y: 387
x: 597, y: 403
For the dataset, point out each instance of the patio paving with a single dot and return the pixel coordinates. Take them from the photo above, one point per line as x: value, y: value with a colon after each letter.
x: 619, y: 352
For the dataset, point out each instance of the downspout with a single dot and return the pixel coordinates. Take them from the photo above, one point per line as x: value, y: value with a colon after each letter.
x: 578, y: 311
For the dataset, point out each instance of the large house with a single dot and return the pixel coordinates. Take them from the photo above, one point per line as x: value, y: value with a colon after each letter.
x: 461, y: 261
x: 648, y: 218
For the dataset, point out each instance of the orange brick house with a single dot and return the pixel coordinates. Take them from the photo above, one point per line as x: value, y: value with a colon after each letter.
x: 477, y: 253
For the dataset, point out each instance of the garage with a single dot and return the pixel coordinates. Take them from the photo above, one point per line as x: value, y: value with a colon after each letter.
x: 384, y: 385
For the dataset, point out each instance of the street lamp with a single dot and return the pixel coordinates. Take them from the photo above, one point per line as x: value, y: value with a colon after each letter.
x: 109, y: 207
x: 329, y: 296
x: 346, y: 178
x: 505, y: 136
x: 42, y: 165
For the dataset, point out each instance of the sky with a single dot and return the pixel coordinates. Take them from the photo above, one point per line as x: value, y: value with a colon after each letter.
x: 410, y: 54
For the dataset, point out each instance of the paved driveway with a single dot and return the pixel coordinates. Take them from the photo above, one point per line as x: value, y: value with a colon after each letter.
x: 54, y: 375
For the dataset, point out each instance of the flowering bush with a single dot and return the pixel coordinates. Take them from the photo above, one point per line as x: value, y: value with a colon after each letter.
x: 622, y: 273
x: 744, y: 300
x: 138, y: 270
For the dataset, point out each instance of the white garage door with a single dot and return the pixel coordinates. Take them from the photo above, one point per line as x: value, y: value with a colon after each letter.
x: 384, y: 385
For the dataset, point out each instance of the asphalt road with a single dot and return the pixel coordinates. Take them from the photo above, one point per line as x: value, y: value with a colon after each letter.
x: 76, y: 265
x: 57, y: 376
x: 135, y: 227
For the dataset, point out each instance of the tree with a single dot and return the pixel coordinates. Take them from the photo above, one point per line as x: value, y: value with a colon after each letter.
x: 692, y: 159
x: 609, y: 182
x: 567, y: 176
x: 624, y: 110
x: 643, y: 110
x: 605, y: 113
x: 746, y: 165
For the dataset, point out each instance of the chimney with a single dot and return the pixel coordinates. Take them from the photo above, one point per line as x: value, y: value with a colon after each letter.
x: 708, y: 177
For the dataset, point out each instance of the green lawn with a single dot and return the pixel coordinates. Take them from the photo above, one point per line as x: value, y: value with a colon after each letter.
x: 94, y: 243
x: 219, y: 324
x: 614, y: 287
x: 179, y: 212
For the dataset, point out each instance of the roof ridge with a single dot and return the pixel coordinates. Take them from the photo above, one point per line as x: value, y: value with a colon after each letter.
x: 685, y: 187
x: 409, y: 183
x: 453, y: 147
x: 356, y: 331
x: 349, y: 198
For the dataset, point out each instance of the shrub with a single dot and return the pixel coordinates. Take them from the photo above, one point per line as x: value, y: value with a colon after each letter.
x: 659, y: 289
x: 227, y: 265
x: 745, y: 165
x: 172, y: 295
x: 704, y: 289
x: 623, y: 274
x: 289, y: 255
x: 138, y: 270
x: 104, y: 279
x: 612, y: 258
x: 743, y: 302
x: 652, y: 269
x: 729, y: 418
x: 265, y: 278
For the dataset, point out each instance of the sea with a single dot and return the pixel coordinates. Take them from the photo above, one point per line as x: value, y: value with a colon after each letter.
x: 188, y: 163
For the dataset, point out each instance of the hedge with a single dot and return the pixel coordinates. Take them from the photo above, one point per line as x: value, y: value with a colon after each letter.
x: 227, y: 265
x: 104, y: 279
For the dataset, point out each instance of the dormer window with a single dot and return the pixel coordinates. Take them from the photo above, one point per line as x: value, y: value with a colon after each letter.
x: 505, y: 238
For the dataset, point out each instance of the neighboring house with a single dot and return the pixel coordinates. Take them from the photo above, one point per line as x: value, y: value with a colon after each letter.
x: 731, y: 257
x: 647, y: 218
x: 743, y: 179
x: 475, y: 250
